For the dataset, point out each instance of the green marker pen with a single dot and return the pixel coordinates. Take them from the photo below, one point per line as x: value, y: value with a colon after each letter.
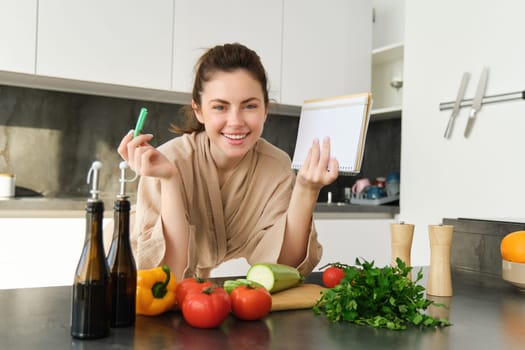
x: 140, y: 122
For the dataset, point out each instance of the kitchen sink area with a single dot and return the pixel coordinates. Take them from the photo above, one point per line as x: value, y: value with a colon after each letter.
x: 343, y: 207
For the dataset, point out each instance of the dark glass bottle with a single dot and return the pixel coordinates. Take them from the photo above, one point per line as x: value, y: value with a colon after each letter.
x: 122, y: 269
x: 91, y: 302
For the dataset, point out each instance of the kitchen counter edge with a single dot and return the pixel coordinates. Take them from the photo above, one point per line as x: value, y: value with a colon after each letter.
x: 74, y: 208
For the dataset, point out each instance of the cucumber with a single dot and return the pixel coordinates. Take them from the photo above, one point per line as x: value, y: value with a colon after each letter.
x: 275, y: 277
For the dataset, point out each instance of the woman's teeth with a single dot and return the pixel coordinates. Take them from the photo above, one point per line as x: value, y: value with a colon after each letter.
x: 235, y: 136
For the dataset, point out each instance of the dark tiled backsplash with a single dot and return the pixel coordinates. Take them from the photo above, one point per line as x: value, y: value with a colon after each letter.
x: 382, y: 156
x: 49, y: 139
x: 476, y: 244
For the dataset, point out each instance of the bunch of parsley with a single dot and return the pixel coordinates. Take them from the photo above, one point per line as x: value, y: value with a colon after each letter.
x: 379, y: 297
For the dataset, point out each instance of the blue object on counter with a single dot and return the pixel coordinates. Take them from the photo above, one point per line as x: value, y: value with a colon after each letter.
x: 374, y: 192
x: 393, y: 177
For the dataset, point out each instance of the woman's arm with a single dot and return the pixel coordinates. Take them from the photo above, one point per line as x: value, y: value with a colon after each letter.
x: 175, y: 226
x: 317, y: 171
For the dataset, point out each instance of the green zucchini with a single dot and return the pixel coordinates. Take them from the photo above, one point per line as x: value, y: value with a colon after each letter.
x: 230, y: 285
x: 275, y: 277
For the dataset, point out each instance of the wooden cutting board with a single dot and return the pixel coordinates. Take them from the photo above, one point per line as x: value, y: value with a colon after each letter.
x: 300, y: 297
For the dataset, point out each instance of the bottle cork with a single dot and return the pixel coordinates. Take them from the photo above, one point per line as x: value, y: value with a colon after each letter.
x: 439, y: 278
x: 401, y: 243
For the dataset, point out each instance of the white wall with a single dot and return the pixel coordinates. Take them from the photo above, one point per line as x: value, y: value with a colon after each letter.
x: 478, y: 177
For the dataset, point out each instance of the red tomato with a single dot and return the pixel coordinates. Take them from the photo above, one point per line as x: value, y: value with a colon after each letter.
x: 206, y: 309
x: 332, y: 276
x: 250, y: 303
x: 190, y: 285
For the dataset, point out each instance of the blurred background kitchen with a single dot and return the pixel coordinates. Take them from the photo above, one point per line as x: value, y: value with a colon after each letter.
x: 74, y: 75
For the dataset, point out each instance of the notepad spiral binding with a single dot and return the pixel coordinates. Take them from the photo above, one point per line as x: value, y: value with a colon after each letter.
x: 343, y: 170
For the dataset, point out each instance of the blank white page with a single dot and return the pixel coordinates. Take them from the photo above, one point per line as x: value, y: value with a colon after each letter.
x: 345, y: 120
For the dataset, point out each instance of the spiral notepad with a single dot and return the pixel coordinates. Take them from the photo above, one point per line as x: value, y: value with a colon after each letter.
x: 345, y: 120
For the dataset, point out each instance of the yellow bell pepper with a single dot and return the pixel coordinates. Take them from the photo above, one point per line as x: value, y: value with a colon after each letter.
x: 155, y: 291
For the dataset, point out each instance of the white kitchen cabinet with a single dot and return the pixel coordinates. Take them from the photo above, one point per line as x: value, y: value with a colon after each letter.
x: 389, y: 18
x: 201, y: 24
x: 123, y: 42
x: 148, y: 50
x: 18, y: 35
x: 345, y: 240
x: 234, y: 267
x: 39, y: 252
x: 387, y: 58
x: 326, y: 49
x: 387, y: 80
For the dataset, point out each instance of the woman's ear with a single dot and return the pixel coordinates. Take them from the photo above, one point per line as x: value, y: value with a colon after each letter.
x: 197, y: 111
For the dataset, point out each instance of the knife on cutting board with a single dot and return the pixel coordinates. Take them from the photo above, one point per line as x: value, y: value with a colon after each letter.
x: 457, y: 104
x: 477, y: 102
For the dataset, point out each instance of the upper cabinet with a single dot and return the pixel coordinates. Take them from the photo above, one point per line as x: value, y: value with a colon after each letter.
x: 124, y: 42
x: 387, y: 58
x: 148, y: 49
x: 326, y: 49
x: 310, y: 49
x: 202, y: 24
x: 18, y: 35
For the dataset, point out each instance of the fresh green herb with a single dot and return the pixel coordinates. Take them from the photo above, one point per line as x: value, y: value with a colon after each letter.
x: 378, y: 297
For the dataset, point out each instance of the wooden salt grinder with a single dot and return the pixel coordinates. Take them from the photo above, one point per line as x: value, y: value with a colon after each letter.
x: 439, y: 278
x: 401, y: 242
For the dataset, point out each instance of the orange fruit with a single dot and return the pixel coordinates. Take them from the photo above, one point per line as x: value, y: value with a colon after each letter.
x: 512, y: 247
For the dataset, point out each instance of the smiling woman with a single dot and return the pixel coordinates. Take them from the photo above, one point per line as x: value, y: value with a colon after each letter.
x: 220, y: 191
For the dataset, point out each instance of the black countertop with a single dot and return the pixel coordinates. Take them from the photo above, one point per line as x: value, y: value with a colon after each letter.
x: 486, y: 312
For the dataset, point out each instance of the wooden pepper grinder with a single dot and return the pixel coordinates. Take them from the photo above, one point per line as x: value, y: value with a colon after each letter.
x: 439, y: 278
x: 401, y: 242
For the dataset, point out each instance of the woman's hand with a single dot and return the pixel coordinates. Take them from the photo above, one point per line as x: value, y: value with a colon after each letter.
x: 145, y: 159
x: 318, y: 169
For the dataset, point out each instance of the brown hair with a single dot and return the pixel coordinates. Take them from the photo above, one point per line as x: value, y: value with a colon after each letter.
x: 225, y: 58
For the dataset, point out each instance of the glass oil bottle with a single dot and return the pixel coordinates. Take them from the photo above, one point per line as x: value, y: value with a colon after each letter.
x: 91, y: 302
x: 122, y: 268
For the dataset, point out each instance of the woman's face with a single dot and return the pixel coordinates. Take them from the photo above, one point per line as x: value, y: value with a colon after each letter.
x: 233, y: 113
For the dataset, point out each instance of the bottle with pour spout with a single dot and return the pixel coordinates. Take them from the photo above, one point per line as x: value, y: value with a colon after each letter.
x: 122, y: 267
x: 91, y: 301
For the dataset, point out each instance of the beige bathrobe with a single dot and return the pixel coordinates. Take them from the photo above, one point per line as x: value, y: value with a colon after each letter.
x: 245, y: 218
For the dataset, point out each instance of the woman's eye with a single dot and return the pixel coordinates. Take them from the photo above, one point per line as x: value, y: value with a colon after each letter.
x: 251, y: 106
x: 218, y: 107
